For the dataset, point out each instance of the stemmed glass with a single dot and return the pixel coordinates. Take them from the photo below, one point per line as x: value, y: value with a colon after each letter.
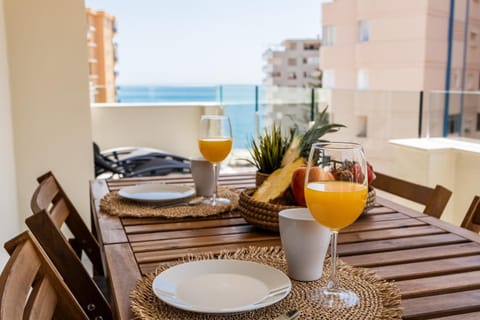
x: 215, y: 143
x: 336, y: 192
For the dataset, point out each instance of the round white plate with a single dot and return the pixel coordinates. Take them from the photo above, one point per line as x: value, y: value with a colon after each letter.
x: 221, y: 286
x: 156, y: 192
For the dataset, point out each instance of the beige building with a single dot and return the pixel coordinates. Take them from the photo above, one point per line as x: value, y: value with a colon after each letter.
x: 379, y: 56
x: 292, y: 64
x: 102, y: 55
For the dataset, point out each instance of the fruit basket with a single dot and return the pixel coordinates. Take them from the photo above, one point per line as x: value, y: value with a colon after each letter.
x: 261, y: 214
x: 372, y: 194
x: 265, y: 215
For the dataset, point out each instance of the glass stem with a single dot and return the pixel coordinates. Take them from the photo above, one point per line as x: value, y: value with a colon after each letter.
x: 332, y: 282
x: 214, y: 196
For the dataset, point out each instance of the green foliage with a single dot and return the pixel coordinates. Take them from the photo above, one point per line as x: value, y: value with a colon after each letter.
x: 320, y: 127
x: 267, y: 152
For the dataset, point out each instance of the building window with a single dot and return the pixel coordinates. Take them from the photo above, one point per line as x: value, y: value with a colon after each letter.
x: 454, y: 123
x: 305, y: 74
x: 292, y: 76
x: 363, y: 31
x: 478, y: 121
x: 328, y: 35
x: 313, y: 60
x: 276, y: 74
x: 362, y: 79
x: 292, y: 62
x: 292, y: 46
x: 328, y: 79
x: 473, y: 39
x: 311, y: 46
x: 304, y: 60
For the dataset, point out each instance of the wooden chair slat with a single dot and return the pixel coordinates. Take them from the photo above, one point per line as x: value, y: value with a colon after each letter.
x: 434, y: 199
x: 59, y: 213
x: 46, y: 224
x: 31, y: 288
x: 472, y: 217
x: 69, y: 265
x: 41, y: 303
x: 43, y: 197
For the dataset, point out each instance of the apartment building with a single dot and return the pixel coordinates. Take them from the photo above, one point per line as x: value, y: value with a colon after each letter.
x: 292, y: 64
x: 379, y: 56
x: 102, y: 56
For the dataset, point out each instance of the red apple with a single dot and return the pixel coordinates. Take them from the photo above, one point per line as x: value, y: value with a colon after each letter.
x: 370, y: 173
x: 297, y: 184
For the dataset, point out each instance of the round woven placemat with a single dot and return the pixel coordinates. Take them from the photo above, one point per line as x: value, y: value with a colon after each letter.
x: 379, y: 299
x: 115, y: 205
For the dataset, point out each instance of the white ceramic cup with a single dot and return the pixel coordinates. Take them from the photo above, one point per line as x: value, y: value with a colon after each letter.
x: 202, y: 172
x: 305, y: 243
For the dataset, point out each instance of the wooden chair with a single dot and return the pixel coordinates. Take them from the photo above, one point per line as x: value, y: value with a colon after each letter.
x: 31, y: 288
x: 434, y: 199
x: 52, y: 210
x: 472, y: 218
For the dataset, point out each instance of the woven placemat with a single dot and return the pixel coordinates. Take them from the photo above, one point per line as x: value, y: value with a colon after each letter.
x: 115, y: 205
x: 379, y: 299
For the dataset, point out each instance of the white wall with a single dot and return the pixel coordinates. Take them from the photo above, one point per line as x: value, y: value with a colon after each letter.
x: 8, y: 190
x: 172, y: 128
x: 47, y: 59
x: 452, y: 163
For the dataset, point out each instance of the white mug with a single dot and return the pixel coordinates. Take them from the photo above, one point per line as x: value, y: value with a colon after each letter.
x: 202, y: 173
x: 305, y: 243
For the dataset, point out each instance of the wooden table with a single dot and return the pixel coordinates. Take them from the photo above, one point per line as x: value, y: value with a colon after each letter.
x: 436, y: 265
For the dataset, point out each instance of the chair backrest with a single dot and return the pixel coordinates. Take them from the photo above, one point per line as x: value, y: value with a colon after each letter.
x: 434, y: 199
x: 31, y: 288
x: 472, y: 218
x: 52, y: 209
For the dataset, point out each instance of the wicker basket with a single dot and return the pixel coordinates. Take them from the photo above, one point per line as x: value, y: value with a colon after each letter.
x: 261, y: 214
x: 265, y: 215
x: 372, y: 194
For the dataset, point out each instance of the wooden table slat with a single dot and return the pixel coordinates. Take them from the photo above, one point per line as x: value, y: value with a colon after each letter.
x: 179, y: 234
x: 441, y: 305
x: 439, y: 284
x: 142, y: 248
x: 428, y: 268
x: 398, y: 244
x: 413, y: 255
x: 183, y: 225
x: 112, y: 228
x: 165, y: 256
x: 121, y: 263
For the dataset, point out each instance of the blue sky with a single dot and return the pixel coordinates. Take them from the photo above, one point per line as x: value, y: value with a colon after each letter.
x: 211, y: 42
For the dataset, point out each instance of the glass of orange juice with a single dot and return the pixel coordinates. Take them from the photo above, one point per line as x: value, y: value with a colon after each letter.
x: 215, y: 143
x: 336, y: 193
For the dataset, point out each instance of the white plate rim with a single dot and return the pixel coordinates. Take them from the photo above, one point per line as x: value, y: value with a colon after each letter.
x: 168, y: 298
x: 131, y: 191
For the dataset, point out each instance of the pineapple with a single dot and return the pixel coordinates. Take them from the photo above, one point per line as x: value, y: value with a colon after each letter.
x: 294, y: 157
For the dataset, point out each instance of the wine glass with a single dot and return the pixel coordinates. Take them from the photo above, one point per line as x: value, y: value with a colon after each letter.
x: 215, y: 143
x: 336, y: 193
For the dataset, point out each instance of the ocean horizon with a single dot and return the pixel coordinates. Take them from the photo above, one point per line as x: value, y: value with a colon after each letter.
x: 238, y: 100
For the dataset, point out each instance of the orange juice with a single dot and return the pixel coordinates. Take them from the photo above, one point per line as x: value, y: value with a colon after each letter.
x: 335, y: 204
x: 215, y: 149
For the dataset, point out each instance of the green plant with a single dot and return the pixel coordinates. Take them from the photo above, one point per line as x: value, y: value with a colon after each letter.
x: 269, y: 149
x: 302, y: 142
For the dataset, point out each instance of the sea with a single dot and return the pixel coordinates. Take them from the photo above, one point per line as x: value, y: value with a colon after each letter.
x: 239, y: 102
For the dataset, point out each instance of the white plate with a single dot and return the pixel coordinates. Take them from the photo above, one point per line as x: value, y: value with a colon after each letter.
x: 221, y: 286
x: 156, y: 192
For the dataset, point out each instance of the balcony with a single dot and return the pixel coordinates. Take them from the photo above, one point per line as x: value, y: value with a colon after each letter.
x: 46, y: 123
